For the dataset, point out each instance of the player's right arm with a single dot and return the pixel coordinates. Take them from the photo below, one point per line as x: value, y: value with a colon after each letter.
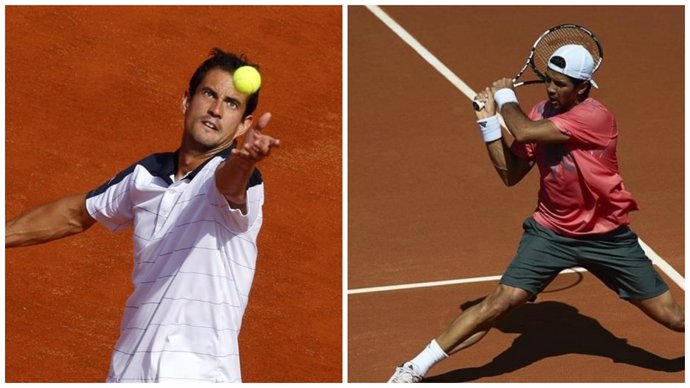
x: 52, y: 221
x: 511, y: 169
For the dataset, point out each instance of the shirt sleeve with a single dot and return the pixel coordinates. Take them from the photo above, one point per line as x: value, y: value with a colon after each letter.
x: 589, y: 123
x: 234, y: 219
x: 110, y: 204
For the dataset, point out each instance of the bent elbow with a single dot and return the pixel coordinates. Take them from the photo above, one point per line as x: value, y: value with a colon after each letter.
x: 512, y: 179
x: 508, y: 181
x: 511, y: 183
x: 78, y: 219
x: 79, y: 223
x: 506, y: 178
x: 520, y: 135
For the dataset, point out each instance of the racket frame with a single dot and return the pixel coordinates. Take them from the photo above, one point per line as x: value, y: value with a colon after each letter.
x: 478, y: 105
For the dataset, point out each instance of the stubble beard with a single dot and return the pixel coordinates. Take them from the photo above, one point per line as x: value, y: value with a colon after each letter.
x: 202, y: 141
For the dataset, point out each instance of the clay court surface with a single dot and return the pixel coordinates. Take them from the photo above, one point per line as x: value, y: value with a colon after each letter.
x: 425, y: 204
x: 90, y: 90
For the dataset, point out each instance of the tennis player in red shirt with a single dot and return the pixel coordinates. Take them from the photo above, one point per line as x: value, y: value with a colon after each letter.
x: 582, y: 214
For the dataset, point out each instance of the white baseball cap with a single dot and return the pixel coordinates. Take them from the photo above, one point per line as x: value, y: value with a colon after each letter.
x: 578, y: 62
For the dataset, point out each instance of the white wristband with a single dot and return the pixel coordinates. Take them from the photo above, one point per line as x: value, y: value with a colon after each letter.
x: 504, y: 96
x: 491, y: 128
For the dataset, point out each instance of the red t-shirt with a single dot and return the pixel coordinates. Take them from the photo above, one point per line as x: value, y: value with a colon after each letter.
x: 581, y: 191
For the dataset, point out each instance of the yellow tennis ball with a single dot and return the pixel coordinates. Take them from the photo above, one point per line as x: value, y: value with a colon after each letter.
x: 247, y: 80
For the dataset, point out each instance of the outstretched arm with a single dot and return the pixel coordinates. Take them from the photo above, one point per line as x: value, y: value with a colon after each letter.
x: 62, y: 218
x: 233, y: 175
x: 510, y: 168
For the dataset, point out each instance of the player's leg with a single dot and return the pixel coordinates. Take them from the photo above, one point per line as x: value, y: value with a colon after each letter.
x: 642, y: 286
x: 540, y: 257
x: 466, y: 330
x: 620, y: 262
x: 473, y: 324
x: 663, y: 309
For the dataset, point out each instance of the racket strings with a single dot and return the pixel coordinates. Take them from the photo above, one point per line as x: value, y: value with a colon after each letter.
x: 557, y: 38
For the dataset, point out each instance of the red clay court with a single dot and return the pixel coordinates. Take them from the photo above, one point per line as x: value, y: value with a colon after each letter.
x: 91, y: 90
x: 425, y: 204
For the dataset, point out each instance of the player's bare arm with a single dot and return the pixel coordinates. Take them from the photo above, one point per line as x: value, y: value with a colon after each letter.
x: 522, y: 128
x: 233, y: 175
x: 62, y: 218
x: 510, y: 168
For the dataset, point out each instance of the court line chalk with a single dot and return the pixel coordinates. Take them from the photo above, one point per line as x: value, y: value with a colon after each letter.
x: 664, y: 266
x: 440, y: 283
x: 422, y: 51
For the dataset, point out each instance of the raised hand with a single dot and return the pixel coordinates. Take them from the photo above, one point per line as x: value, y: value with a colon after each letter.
x: 256, y: 145
x: 502, y: 83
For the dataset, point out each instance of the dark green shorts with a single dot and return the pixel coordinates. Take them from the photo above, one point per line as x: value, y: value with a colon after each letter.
x: 616, y: 258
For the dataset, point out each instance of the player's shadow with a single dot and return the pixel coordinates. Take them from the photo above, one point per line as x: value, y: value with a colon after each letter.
x: 549, y: 329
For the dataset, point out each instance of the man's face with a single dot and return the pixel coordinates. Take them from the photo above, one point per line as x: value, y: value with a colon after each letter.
x: 213, y: 115
x: 561, y: 91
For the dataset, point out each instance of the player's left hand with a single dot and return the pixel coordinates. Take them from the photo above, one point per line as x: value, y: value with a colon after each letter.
x: 502, y: 83
x: 256, y: 145
x: 487, y: 98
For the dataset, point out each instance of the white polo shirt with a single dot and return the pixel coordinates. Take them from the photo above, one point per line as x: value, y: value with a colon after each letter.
x: 194, y: 262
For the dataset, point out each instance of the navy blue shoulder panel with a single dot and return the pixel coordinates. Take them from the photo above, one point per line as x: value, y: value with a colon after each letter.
x: 161, y: 165
x: 255, y: 179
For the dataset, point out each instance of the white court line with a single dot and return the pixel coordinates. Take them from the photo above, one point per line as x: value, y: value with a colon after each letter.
x: 664, y: 266
x: 426, y: 55
x: 440, y: 283
x: 423, y: 52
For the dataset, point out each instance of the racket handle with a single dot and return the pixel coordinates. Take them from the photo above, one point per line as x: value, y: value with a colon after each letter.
x: 478, y: 105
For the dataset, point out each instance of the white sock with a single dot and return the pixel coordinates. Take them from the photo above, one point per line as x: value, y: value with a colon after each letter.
x: 429, y: 357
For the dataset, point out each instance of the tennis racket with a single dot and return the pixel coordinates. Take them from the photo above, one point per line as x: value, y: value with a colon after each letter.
x: 547, y: 44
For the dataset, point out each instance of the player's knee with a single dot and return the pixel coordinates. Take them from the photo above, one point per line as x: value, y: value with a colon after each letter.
x: 496, y: 307
x: 672, y: 317
x: 679, y: 326
x: 492, y: 310
x: 676, y: 321
x: 664, y: 310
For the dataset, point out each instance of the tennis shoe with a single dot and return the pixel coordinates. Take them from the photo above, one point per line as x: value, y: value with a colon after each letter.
x: 406, y: 373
